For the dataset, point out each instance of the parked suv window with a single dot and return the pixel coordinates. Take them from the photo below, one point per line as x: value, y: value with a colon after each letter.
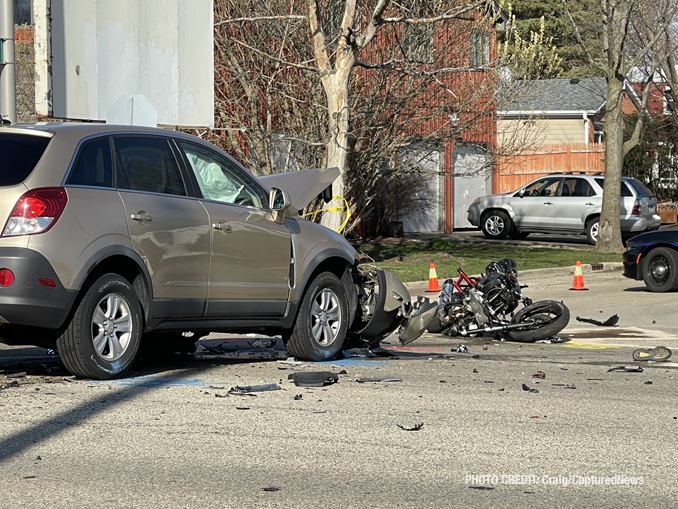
x: 147, y: 164
x: 93, y: 165
x: 220, y: 180
x: 641, y: 189
x: 577, y: 187
x: 625, y: 191
x: 20, y: 154
x: 544, y: 187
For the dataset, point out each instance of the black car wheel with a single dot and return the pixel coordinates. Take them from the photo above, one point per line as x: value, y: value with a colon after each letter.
x: 660, y: 270
x: 495, y: 224
x: 102, y: 339
x: 320, y: 329
x: 592, y: 230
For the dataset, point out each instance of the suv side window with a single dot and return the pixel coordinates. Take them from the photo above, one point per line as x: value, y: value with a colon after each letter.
x: 147, y: 163
x: 543, y: 187
x: 625, y: 191
x: 577, y: 187
x: 221, y: 180
x: 92, y: 165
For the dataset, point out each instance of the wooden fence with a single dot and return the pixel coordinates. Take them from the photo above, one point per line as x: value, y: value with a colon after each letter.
x: 512, y: 172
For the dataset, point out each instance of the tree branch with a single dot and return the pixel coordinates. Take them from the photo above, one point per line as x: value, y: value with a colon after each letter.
x: 455, y: 14
x: 271, y: 57
x: 261, y: 18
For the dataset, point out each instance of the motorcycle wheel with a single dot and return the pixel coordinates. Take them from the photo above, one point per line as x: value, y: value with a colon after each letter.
x: 435, y: 326
x: 554, y: 315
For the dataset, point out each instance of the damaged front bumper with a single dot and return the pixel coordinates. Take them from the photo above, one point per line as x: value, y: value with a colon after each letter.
x: 386, y: 305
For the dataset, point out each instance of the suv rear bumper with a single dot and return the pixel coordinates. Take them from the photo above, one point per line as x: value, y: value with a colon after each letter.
x: 26, y: 301
x: 639, y: 224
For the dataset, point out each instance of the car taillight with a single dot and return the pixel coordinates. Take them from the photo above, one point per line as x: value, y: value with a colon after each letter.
x: 637, y: 210
x: 6, y: 277
x: 36, y: 211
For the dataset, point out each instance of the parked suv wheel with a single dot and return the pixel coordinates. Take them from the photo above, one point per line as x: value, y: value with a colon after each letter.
x: 660, y: 270
x: 592, y: 230
x: 320, y: 329
x: 495, y: 224
x: 102, y: 338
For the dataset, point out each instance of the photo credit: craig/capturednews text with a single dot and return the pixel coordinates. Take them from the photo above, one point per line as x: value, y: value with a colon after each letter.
x: 555, y: 480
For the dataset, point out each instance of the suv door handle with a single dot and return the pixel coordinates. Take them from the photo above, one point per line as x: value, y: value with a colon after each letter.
x: 548, y: 203
x: 222, y: 226
x: 589, y: 204
x: 141, y: 216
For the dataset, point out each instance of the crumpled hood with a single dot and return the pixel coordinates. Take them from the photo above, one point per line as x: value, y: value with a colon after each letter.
x: 302, y: 186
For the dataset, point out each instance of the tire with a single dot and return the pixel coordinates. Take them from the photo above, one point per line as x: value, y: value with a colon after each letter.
x: 495, y: 224
x: 592, y: 230
x: 325, y: 301
x: 555, y: 313
x: 516, y: 235
x: 435, y: 326
x: 660, y: 270
x: 93, y: 345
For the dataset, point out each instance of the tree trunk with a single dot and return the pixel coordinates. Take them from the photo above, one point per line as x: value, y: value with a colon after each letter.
x: 336, y: 88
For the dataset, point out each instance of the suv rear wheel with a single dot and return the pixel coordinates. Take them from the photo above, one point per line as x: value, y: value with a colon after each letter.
x: 320, y: 329
x: 102, y: 338
x: 592, y: 230
x: 495, y: 224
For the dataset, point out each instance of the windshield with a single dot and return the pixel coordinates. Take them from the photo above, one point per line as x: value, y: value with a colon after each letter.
x: 20, y: 154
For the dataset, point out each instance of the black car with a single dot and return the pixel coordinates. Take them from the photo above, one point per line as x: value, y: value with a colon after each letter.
x: 653, y: 257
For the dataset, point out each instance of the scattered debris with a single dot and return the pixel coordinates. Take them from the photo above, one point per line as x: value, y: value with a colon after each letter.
x: 220, y: 395
x: 461, y: 349
x: 628, y: 369
x: 649, y: 382
x: 610, y: 322
x: 270, y: 488
x: 485, y: 347
x: 298, y: 397
x: 475, y: 356
x: 292, y: 362
x: 313, y: 378
x: 21, y: 374
x: 526, y: 387
x: 367, y: 379
x: 657, y: 354
x: 535, y: 417
x: 475, y: 370
x: 594, y: 379
x: 242, y: 408
x: 547, y: 341
x: 570, y: 386
x: 482, y: 488
x: 255, y: 388
x: 539, y: 374
x: 416, y: 427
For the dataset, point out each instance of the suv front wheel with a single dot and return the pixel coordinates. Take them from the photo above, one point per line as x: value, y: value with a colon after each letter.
x: 320, y: 329
x: 592, y: 230
x: 495, y: 224
x: 102, y: 338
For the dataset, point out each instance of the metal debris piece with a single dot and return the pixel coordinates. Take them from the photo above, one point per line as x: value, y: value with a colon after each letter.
x: 539, y: 374
x: 298, y: 397
x: 628, y: 369
x: 255, y: 388
x: 270, y: 488
x: 220, y: 395
x: 367, y: 379
x: 21, y: 374
x: 313, y: 378
x: 292, y: 362
x: 462, y: 349
x: 610, y: 322
x: 416, y: 427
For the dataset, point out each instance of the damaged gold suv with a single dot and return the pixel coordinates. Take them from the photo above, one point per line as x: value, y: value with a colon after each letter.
x: 112, y: 233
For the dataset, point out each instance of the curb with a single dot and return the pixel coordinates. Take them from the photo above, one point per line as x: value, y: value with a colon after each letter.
x: 534, y: 273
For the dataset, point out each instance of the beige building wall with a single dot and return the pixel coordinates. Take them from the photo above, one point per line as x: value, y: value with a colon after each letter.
x: 525, y: 133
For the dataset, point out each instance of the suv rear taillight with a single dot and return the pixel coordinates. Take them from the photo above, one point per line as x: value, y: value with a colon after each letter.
x: 637, y: 210
x: 36, y: 211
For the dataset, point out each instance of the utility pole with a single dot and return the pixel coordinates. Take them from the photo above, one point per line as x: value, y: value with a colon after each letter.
x: 7, y: 71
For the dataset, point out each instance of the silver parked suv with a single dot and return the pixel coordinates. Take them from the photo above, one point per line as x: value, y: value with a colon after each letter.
x: 562, y: 203
x: 111, y: 232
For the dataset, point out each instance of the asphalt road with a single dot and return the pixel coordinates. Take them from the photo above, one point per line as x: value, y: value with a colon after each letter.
x: 163, y: 438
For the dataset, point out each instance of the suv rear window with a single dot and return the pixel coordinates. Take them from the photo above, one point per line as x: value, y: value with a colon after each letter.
x: 641, y: 189
x: 20, y: 154
x: 625, y: 191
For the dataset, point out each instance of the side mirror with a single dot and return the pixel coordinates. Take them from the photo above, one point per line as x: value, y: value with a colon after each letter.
x: 521, y: 193
x: 278, y: 202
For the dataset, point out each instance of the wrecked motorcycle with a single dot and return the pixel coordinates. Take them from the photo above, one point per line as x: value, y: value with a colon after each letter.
x: 472, y: 306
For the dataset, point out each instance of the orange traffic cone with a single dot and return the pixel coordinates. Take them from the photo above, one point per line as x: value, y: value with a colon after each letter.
x: 578, y: 283
x: 433, y: 279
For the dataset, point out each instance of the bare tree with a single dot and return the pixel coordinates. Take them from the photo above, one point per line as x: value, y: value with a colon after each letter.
x: 349, y: 83
x: 631, y: 31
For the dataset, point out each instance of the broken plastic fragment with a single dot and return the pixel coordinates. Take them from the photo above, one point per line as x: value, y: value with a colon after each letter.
x: 629, y: 369
x: 610, y: 322
x: 462, y: 349
x: 255, y: 388
x: 313, y: 378
x: 539, y: 374
x: 416, y: 427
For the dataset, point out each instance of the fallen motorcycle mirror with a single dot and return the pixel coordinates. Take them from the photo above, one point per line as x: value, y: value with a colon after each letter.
x: 492, y: 304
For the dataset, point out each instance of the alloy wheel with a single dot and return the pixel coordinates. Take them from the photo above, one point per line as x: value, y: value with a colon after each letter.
x: 111, y: 327
x: 325, y: 317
